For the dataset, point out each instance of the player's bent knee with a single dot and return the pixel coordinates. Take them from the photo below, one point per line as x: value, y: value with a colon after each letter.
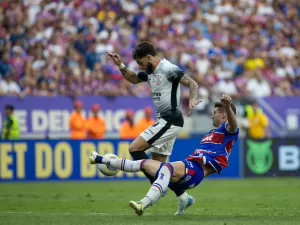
x: 151, y: 167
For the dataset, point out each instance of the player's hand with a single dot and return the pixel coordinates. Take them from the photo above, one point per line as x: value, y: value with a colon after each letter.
x: 116, y: 58
x: 192, y: 103
x: 226, y: 100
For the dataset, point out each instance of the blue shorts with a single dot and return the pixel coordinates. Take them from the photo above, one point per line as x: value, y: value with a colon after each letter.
x: 194, y: 174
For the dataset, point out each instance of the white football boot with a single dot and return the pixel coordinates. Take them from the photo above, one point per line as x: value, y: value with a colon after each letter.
x: 138, y: 207
x: 92, y: 157
x: 184, y: 204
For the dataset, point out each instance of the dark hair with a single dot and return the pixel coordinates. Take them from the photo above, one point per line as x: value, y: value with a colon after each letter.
x: 143, y: 49
x: 9, y: 107
x: 219, y: 105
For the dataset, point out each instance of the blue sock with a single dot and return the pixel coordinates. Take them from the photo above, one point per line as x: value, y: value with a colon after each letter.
x: 98, y: 159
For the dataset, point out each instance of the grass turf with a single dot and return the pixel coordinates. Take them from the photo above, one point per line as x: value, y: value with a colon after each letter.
x: 248, y: 201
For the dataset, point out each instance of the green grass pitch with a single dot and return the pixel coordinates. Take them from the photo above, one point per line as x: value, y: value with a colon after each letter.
x: 249, y: 201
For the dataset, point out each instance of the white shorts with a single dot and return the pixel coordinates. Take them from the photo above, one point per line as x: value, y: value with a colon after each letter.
x: 161, y: 136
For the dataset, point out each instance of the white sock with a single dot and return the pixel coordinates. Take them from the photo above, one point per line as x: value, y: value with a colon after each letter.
x: 183, y: 196
x: 124, y: 164
x: 158, y: 187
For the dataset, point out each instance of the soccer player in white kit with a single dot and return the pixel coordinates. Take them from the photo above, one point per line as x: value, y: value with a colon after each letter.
x: 164, y: 79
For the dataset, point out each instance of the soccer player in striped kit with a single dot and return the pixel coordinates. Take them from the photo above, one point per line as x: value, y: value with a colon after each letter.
x: 210, y: 157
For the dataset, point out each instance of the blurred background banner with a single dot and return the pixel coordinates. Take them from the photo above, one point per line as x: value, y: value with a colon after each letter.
x: 68, y: 160
x: 48, y: 117
x: 274, y: 157
x: 42, y: 117
x: 283, y: 114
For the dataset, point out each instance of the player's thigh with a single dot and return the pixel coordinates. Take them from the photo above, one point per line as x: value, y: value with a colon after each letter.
x: 139, y: 144
x: 179, y: 171
x: 151, y: 167
x: 158, y: 157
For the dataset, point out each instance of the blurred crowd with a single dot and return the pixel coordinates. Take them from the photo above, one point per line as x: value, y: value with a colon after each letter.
x: 95, y: 126
x: 245, y: 48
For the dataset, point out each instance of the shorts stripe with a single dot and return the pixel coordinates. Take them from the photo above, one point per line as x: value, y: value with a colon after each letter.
x: 159, y: 133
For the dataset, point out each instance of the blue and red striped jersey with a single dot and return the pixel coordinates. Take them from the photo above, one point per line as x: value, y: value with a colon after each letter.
x: 215, y: 147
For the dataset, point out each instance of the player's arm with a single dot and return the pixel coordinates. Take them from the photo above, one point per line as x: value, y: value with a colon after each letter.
x: 193, y: 86
x: 231, y: 125
x: 132, y: 77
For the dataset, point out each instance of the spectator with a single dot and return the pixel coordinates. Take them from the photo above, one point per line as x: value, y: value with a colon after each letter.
x: 147, y: 121
x: 5, y: 67
x: 95, y: 125
x: 92, y: 57
x: 254, y: 62
x: 227, y: 86
x: 258, y: 87
x: 207, y: 38
x: 10, y: 127
x: 128, y: 129
x: 77, y: 123
x: 258, y: 122
x: 8, y: 86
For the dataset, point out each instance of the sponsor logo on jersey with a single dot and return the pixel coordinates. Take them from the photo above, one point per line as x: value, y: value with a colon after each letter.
x: 156, y: 96
x: 214, y: 138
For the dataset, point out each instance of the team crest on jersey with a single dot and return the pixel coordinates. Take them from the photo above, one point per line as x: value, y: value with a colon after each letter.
x: 157, y: 80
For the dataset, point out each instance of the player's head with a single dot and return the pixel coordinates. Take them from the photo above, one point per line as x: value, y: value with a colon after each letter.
x: 219, y: 115
x: 143, y: 54
x: 9, y: 109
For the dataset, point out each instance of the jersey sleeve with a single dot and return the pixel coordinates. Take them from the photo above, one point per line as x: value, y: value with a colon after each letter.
x: 174, y: 73
x: 143, y: 76
x: 233, y: 135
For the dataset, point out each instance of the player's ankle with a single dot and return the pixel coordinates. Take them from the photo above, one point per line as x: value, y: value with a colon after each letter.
x: 99, y: 159
x: 183, y: 197
x: 146, y: 202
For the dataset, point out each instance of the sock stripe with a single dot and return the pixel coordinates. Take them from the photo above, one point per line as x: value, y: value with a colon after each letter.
x: 143, y: 163
x: 123, y: 164
x: 158, y: 186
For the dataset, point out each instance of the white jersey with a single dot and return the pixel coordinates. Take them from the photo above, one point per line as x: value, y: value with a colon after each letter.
x: 164, y: 82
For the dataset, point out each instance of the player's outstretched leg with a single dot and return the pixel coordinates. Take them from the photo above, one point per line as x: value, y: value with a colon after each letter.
x: 157, y: 189
x: 121, y: 164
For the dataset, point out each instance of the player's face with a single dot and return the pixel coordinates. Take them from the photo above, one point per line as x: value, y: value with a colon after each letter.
x: 217, y: 117
x: 145, y: 64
